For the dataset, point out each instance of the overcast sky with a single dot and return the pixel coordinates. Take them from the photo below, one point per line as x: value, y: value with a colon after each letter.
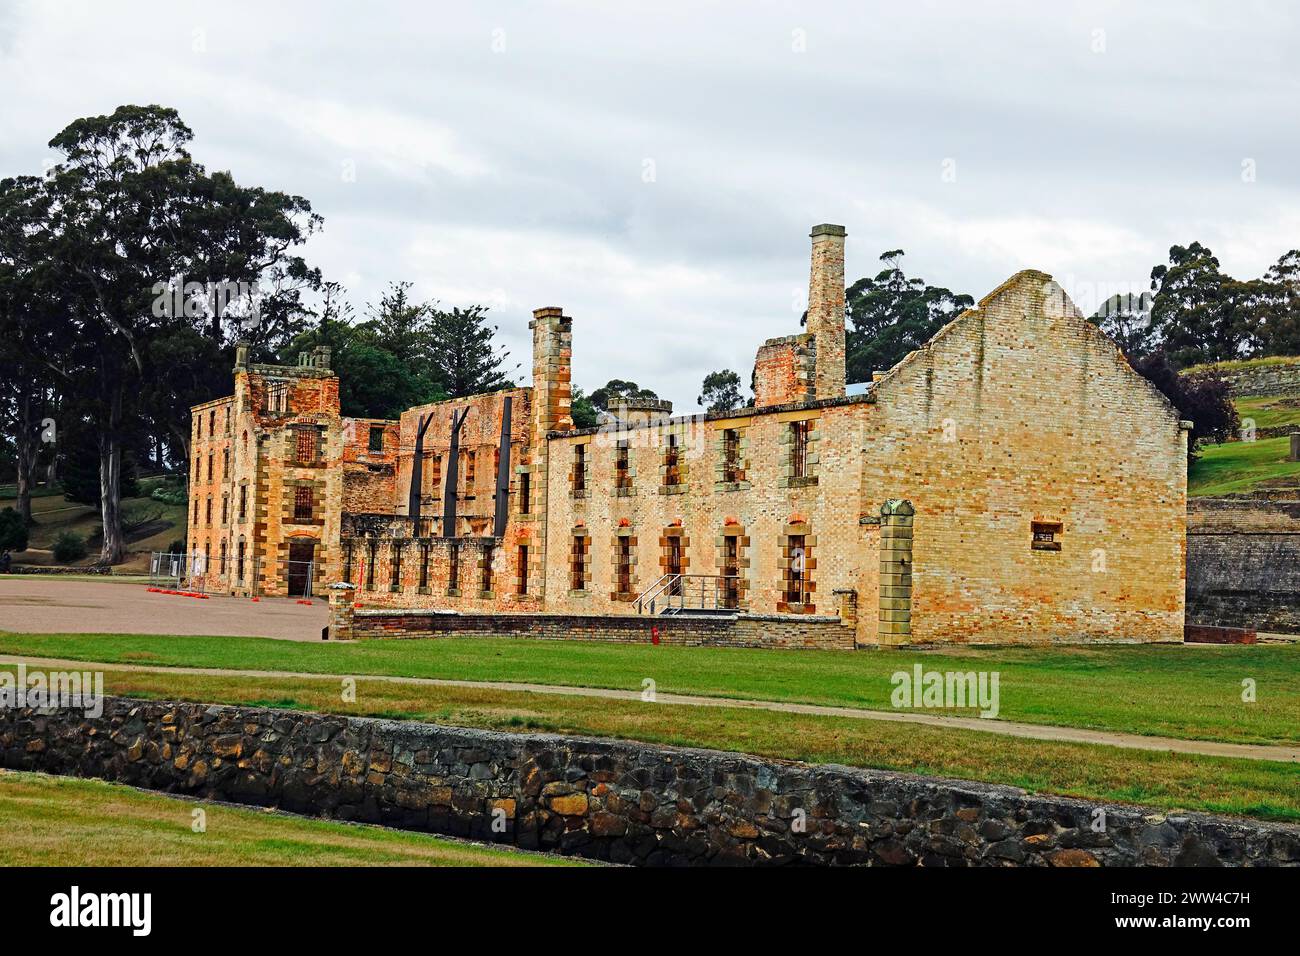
x: 654, y: 168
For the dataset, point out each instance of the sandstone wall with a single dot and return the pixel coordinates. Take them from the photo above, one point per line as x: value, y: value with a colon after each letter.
x: 612, y: 800
x: 1243, y: 563
x: 1273, y: 378
x: 762, y: 510
x: 1022, y: 411
x: 265, y: 473
x: 743, y: 630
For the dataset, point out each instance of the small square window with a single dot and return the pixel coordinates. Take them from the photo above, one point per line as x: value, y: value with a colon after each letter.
x: 1046, y: 536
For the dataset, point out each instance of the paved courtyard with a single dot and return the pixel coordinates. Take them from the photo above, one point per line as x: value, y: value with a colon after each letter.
x: 30, y: 604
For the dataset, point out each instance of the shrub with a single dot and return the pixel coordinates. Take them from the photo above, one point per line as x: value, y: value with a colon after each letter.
x: 176, y: 547
x: 1205, y: 402
x: 69, y: 547
x: 170, y: 496
x: 13, y: 531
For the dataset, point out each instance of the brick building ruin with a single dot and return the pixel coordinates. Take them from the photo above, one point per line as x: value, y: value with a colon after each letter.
x: 1011, y: 481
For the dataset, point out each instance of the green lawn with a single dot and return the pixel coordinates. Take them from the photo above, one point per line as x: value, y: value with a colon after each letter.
x: 1270, y: 411
x: 1238, y: 466
x: 1171, y: 690
x: 62, y: 821
x: 1256, y: 788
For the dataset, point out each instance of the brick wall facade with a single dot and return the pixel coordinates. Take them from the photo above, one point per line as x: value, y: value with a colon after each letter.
x: 1011, y: 481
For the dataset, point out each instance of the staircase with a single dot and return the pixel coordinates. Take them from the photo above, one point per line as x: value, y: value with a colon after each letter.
x: 704, y: 595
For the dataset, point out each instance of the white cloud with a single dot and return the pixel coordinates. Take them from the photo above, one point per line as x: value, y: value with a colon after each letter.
x: 514, y: 178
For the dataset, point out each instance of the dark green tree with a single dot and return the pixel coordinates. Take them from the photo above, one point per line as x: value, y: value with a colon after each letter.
x: 890, y: 315
x: 1126, y: 320
x: 382, y: 363
x: 1200, y: 314
x: 721, y: 391
x: 618, y: 388
x: 1277, y: 331
x: 585, y: 414
x: 30, y: 369
x: 13, y: 531
x: 134, y: 220
x: 464, y: 356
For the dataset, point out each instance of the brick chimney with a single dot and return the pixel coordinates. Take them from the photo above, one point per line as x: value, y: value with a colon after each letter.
x: 552, y: 371
x: 826, y: 309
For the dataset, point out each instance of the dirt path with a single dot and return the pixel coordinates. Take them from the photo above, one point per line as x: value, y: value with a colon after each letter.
x: 1284, y: 753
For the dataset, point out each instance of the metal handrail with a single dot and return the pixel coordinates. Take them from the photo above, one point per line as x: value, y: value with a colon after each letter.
x: 677, y: 588
x: 650, y: 593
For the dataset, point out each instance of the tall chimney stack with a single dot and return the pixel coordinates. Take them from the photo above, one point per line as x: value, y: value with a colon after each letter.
x: 826, y: 309
x: 552, y: 371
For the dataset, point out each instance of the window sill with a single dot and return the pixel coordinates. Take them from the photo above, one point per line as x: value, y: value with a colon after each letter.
x: 787, y: 608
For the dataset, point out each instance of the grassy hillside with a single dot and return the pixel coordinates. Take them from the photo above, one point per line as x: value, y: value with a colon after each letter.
x: 54, y: 515
x: 1239, y: 467
x: 1271, y: 411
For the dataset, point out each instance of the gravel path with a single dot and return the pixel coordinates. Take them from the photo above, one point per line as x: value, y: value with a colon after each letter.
x: 48, y: 605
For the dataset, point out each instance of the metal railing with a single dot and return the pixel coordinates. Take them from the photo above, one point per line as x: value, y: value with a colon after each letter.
x: 679, y: 592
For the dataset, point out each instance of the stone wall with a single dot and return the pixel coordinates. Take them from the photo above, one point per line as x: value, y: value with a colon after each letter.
x: 1018, y: 412
x: 1272, y: 378
x: 741, y: 630
x: 612, y: 800
x: 784, y: 370
x: 1243, y: 563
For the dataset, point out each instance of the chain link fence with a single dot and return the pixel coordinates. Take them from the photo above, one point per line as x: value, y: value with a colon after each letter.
x: 178, y: 571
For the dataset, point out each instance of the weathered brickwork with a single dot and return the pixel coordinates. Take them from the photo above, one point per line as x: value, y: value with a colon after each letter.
x: 610, y: 799
x: 784, y: 371
x: 739, y: 630
x: 1012, y: 481
x: 276, y: 490
x: 1020, y: 412
x: 1243, y: 563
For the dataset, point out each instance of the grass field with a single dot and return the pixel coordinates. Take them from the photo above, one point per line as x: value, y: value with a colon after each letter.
x: 1238, y: 466
x: 60, y: 821
x: 1174, y: 781
x: 1269, y: 411
x: 1174, y: 690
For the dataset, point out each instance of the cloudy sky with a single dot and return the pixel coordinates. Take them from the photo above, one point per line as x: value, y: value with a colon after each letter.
x: 654, y: 168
